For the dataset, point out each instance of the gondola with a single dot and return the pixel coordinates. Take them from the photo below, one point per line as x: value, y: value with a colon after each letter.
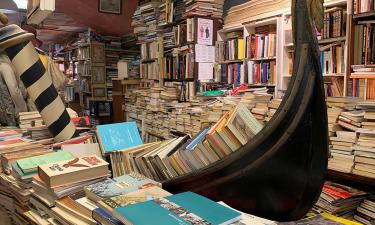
x: 280, y: 173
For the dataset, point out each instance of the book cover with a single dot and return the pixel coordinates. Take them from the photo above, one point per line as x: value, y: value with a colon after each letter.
x: 118, y: 186
x: 103, y: 217
x: 181, y: 209
x: 30, y: 165
x: 72, y: 171
x: 114, y: 137
x: 142, y: 195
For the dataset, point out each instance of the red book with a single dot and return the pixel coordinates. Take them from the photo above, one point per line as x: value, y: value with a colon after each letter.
x: 77, y: 140
x: 336, y: 192
x: 83, y: 121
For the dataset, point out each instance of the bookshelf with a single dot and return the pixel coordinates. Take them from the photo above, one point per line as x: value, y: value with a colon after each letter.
x: 259, y: 57
x: 333, y: 45
x: 362, y: 49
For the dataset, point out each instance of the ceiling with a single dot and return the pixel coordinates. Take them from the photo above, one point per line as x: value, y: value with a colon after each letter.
x: 74, y: 16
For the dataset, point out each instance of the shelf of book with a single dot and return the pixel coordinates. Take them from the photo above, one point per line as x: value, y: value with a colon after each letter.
x: 334, y: 75
x: 352, y: 180
x: 364, y: 16
x: 262, y: 59
x: 332, y: 40
x: 333, y: 46
x: 362, y: 76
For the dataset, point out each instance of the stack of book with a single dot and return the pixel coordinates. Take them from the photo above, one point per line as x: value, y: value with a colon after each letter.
x: 145, y: 20
x: 204, y: 8
x: 342, y: 157
x: 254, y: 10
x: 272, y: 108
x: 30, y: 119
x: 162, y: 114
x: 178, y: 156
x: 15, y: 149
x: 339, y: 200
x: 34, y: 119
x: 364, y: 152
x: 56, y: 183
x: 39, y: 133
x: 366, y: 211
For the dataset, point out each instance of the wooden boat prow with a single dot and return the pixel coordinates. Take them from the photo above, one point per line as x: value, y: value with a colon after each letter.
x: 280, y: 173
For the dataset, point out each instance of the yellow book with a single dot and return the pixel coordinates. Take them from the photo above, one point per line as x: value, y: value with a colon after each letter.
x: 241, y: 50
x: 339, y: 219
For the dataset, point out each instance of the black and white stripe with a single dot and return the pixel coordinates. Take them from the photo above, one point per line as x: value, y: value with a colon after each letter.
x: 39, y: 85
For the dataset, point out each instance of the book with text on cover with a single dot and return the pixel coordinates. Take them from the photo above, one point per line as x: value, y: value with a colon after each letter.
x: 182, y: 209
x: 118, y: 136
x: 73, y: 171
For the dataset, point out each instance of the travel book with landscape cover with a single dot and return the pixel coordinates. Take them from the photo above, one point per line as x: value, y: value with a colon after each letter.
x: 182, y: 209
x: 118, y: 186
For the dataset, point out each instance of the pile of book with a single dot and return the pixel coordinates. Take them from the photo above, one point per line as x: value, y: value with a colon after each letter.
x: 204, y: 8
x: 254, y: 10
x: 366, y: 211
x: 178, y: 156
x: 162, y: 113
x: 34, y: 119
x: 145, y: 20
x: 339, y: 200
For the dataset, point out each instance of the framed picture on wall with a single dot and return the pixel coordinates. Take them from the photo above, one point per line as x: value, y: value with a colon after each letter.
x: 110, y: 6
x: 98, y: 92
x: 98, y: 74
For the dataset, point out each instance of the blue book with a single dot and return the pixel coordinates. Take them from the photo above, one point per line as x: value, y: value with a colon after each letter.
x: 197, y: 140
x: 103, y: 217
x: 118, y: 186
x: 118, y: 136
x: 182, y: 209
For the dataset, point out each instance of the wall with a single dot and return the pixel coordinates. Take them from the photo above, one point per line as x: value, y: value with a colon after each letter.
x: 86, y: 12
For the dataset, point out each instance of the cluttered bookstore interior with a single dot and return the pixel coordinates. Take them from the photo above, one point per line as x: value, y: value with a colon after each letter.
x: 187, y: 112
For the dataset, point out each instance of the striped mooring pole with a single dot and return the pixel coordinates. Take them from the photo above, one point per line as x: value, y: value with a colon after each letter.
x: 16, y: 43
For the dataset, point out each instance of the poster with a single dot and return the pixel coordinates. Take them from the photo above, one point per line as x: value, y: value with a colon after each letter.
x: 204, y: 53
x: 205, y: 71
x: 205, y: 31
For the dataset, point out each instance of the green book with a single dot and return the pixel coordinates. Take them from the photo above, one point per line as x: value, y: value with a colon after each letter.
x: 30, y: 165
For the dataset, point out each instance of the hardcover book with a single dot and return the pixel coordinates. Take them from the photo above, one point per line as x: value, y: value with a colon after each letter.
x: 73, y: 171
x: 118, y: 186
x: 114, y: 137
x: 181, y: 209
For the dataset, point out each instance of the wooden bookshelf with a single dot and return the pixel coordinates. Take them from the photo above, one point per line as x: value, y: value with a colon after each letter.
x: 364, y: 183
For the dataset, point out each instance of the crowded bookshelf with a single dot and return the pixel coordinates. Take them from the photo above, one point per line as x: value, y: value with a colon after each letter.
x: 188, y: 112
